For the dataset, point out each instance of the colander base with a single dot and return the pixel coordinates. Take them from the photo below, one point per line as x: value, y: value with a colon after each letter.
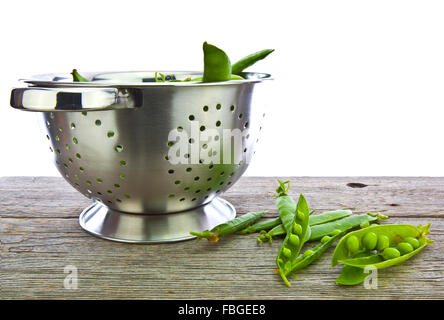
x: 109, y: 224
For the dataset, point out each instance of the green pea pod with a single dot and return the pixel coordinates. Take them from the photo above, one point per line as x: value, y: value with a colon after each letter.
x: 249, y: 60
x: 262, y: 225
x: 395, y: 235
x: 286, y: 208
x: 315, y: 220
x: 350, y: 276
x: 319, y: 231
x: 285, y: 204
x: 294, y: 240
x: 232, y: 77
x: 217, y: 65
x: 328, y: 216
x: 313, y: 254
x: 229, y: 227
x: 77, y: 77
x: 274, y: 232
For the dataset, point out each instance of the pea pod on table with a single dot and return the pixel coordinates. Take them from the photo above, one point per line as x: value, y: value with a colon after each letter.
x: 261, y: 225
x: 311, y: 255
x: 229, y: 227
x: 285, y: 204
x: 326, y: 223
x: 294, y: 240
x: 350, y: 276
x: 394, y: 244
x: 348, y: 223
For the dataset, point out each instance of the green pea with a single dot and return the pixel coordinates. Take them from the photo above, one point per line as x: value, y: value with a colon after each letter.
x: 297, y: 229
x: 294, y: 240
x: 286, y: 252
x: 352, y: 244
x: 307, y: 253
x: 301, y: 215
x: 413, y: 242
x: 390, y: 253
x: 335, y: 232
x: 383, y: 242
x: 370, y: 240
x: 404, y: 248
x: 325, y: 239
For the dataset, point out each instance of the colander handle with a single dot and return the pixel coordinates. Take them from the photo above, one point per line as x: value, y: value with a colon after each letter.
x: 74, y: 99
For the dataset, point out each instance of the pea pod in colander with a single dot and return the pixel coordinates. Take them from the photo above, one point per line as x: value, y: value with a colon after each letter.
x: 294, y: 240
x: 217, y: 65
x: 77, y: 77
x: 249, y: 60
x: 386, y: 251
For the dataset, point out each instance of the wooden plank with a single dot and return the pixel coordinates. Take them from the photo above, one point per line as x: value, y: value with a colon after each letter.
x: 402, y: 196
x: 40, y: 235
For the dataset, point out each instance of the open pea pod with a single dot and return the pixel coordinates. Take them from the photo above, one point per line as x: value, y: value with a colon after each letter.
x: 294, y: 240
x: 390, y: 245
x: 351, y: 276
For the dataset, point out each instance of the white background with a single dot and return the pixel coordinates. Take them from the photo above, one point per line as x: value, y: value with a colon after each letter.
x: 359, y: 84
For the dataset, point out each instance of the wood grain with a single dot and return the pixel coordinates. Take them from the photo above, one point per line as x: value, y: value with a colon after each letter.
x: 40, y: 235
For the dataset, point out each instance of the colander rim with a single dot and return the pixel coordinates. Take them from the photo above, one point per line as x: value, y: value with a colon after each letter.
x: 64, y: 80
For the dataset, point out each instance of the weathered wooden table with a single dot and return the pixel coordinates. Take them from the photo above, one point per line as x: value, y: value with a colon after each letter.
x: 40, y: 236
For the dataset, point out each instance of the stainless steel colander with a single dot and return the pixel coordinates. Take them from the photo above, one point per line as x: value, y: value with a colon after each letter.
x: 154, y: 156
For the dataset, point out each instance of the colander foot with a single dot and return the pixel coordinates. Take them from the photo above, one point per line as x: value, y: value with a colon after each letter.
x: 109, y: 224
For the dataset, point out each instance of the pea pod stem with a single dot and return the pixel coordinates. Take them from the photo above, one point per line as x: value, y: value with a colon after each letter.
x: 229, y: 227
